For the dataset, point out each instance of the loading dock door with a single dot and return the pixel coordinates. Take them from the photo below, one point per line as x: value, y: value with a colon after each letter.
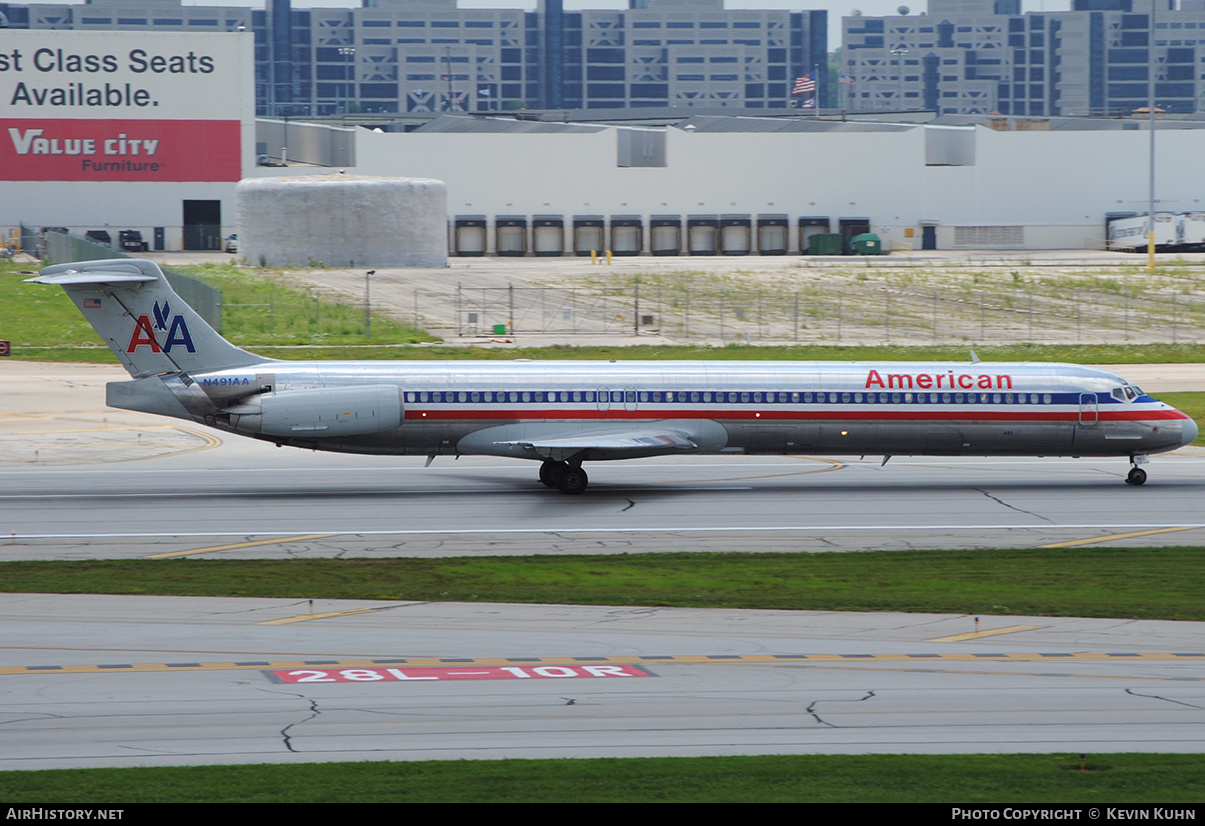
x: 667, y: 240
x: 627, y: 237
x: 548, y: 236
x: 202, y: 225
x: 702, y: 235
x: 736, y: 236
x: 468, y: 235
x: 510, y: 236
x: 588, y: 238
x: 849, y: 228
x: 772, y: 234
x: 809, y: 227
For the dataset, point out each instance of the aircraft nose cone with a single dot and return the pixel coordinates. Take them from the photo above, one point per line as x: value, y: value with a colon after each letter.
x: 1188, y: 432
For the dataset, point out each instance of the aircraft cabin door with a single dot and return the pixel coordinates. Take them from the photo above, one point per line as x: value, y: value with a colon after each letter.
x: 1089, y: 413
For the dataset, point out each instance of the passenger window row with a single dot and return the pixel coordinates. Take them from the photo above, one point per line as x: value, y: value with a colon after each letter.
x: 725, y: 397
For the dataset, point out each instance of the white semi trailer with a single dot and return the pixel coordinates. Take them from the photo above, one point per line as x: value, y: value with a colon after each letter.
x: 1130, y: 234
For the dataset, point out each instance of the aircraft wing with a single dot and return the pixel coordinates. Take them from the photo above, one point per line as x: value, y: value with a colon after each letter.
x: 649, y: 441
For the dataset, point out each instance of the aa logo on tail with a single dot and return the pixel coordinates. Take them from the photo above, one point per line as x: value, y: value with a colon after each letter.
x: 174, y: 326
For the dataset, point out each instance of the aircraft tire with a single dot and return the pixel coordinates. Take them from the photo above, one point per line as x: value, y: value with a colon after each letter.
x: 548, y: 473
x: 572, y: 480
x: 1136, y: 476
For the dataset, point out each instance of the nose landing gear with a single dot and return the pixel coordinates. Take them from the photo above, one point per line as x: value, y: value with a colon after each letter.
x: 565, y: 477
x: 1136, y: 476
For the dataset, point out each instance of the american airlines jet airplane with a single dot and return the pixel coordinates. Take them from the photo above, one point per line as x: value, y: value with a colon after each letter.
x: 565, y: 413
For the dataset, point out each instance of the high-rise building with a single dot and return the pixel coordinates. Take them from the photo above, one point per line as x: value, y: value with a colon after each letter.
x: 418, y: 56
x: 984, y: 56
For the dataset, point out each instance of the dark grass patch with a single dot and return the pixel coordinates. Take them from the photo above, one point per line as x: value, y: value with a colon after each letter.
x: 1030, y: 779
x: 1142, y: 583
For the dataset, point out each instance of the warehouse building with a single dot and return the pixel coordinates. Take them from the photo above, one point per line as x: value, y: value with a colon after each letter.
x: 111, y: 131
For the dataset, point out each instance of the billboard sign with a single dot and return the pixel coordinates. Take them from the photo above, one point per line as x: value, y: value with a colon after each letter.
x: 122, y: 106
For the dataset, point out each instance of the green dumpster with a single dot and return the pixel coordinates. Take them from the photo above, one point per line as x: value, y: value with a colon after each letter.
x: 866, y: 244
x: 824, y: 243
x: 499, y: 329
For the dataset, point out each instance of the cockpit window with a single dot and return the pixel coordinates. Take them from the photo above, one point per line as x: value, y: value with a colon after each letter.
x: 1119, y: 394
x: 1131, y: 394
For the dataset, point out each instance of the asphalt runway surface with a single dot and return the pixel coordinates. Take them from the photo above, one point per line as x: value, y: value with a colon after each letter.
x: 94, y: 680
x: 292, y: 504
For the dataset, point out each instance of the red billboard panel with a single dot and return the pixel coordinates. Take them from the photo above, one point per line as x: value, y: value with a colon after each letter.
x: 43, y: 149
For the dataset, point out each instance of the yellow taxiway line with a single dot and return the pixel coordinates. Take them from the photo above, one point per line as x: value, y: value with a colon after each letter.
x: 277, y: 541
x: 723, y: 659
x: 307, y: 617
x: 1111, y: 537
x: 974, y: 635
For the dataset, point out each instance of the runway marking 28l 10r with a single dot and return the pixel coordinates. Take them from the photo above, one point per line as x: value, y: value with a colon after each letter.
x: 505, y: 672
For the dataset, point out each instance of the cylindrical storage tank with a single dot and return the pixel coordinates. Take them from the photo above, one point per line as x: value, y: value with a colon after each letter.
x: 627, y: 234
x: 736, y: 234
x: 772, y: 233
x: 548, y: 235
x: 809, y: 227
x: 468, y: 235
x: 701, y: 234
x: 510, y: 235
x: 339, y: 219
x: 665, y: 234
x: 589, y: 234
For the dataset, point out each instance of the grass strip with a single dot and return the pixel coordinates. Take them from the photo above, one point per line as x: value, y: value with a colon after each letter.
x: 1141, y: 583
x: 958, y: 779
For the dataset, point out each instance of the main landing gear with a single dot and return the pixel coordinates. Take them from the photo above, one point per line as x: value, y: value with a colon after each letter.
x: 564, y: 477
x: 1136, y: 476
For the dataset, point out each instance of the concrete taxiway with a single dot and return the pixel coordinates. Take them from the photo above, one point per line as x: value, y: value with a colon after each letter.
x: 138, y: 681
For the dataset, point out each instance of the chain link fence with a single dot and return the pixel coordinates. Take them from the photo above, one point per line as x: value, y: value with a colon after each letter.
x: 853, y: 311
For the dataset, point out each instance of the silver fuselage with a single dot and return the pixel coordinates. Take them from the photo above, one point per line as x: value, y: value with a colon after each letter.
x: 838, y: 408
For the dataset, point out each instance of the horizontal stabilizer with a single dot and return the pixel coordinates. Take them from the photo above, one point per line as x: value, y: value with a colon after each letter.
x: 75, y: 278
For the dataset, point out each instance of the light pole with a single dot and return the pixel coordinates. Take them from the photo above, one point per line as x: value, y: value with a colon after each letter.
x: 899, y: 54
x: 1150, y: 106
x: 348, y: 53
x: 367, y: 305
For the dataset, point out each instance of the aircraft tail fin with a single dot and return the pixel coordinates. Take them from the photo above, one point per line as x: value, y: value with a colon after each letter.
x: 145, y: 323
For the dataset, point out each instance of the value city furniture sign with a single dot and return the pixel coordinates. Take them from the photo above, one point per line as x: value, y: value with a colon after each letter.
x: 121, y: 106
